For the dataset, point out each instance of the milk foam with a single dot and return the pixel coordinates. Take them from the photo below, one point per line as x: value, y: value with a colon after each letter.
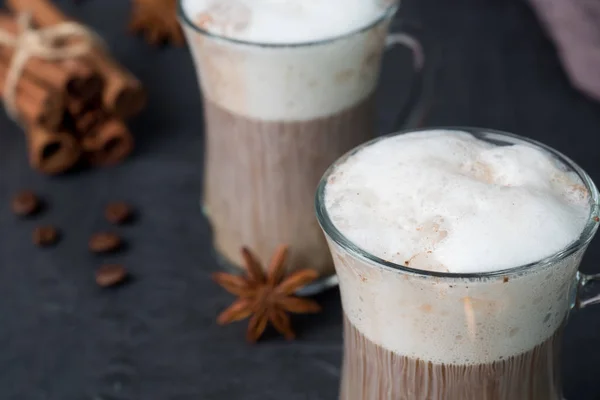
x: 455, y: 321
x: 287, y: 83
x: 283, y: 21
x: 446, y: 201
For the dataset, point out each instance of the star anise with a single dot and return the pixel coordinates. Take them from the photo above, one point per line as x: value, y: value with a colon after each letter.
x: 266, y: 298
x: 157, y: 21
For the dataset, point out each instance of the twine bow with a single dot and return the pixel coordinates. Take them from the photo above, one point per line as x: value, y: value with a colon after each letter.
x: 51, y: 44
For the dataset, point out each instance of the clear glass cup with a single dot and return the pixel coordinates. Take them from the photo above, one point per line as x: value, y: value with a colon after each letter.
x: 412, y: 334
x: 276, y: 116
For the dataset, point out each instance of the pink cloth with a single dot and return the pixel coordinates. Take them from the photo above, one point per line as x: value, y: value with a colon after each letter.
x: 574, y: 25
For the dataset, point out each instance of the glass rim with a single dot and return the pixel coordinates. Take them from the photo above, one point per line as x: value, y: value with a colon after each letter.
x: 388, y: 13
x: 490, y: 135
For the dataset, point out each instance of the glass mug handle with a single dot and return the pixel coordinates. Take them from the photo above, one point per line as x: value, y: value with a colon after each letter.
x: 588, y: 290
x: 412, y: 113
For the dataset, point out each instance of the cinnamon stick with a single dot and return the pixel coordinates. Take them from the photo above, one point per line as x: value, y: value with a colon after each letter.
x: 110, y: 144
x: 74, y: 77
x: 78, y: 105
x: 35, y: 103
x: 123, y: 94
x: 89, y: 121
x: 75, y: 105
x: 51, y: 152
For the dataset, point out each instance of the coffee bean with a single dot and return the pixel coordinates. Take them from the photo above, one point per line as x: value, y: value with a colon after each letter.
x: 110, y: 275
x: 118, y: 213
x: 25, y: 203
x: 104, y: 242
x: 45, y: 235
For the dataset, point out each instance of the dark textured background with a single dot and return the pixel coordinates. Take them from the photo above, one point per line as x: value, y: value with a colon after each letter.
x: 61, y: 338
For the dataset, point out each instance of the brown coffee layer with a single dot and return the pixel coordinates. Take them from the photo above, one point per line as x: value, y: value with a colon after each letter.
x: 261, y: 178
x: 374, y: 373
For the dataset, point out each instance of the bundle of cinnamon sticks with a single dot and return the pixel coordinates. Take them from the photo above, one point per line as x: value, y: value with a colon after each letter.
x: 73, y: 109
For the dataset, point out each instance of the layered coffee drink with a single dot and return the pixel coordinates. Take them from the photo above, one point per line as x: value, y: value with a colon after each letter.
x: 457, y: 258
x: 287, y: 88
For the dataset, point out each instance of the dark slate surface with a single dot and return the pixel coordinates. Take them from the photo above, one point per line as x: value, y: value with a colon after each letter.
x: 62, y: 338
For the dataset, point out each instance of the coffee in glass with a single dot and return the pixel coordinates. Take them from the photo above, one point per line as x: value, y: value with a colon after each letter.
x: 288, y: 87
x: 457, y: 254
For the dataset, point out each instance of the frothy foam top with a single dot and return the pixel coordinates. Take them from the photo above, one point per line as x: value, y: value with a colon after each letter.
x: 282, y: 21
x: 446, y: 201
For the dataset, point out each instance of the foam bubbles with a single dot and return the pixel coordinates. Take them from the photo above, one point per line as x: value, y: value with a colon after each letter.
x: 283, y: 21
x: 446, y: 201
x: 287, y: 83
x: 456, y: 321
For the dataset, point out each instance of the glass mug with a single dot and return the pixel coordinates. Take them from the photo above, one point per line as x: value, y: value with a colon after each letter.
x: 412, y: 334
x: 276, y: 116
